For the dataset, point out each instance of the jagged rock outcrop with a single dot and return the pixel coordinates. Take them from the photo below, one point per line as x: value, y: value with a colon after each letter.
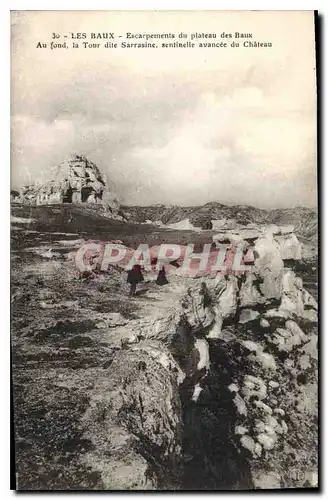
x: 135, y: 421
x: 290, y: 248
x: 183, y: 225
x: 171, y: 368
x: 221, y: 371
x: 76, y: 180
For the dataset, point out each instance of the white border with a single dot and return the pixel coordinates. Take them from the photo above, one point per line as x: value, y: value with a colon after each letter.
x: 163, y: 5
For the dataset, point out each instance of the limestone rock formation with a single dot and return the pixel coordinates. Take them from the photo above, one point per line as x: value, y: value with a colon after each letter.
x: 260, y: 348
x: 183, y: 225
x: 190, y: 354
x: 134, y: 421
x: 208, y: 384
x: 76, y: 180
x: 284, y: 236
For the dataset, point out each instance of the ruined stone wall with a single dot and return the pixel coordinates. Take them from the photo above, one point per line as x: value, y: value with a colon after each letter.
x: 76, y: 180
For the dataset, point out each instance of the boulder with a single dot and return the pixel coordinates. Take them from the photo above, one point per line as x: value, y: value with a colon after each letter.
x: 207, y: 225
x: 264, y: 323
x: 309, y: 301
x: 287, y: 229
x: 138, y: 403
x: 254, y: 386
x: 198, y: 359
x: 234, y: 236
x: 250, y: 293
x: 287, y: 338
x: 248, y: 443
x: 290, y: 247
x: 239, y: 429
x: 218, y: 224
x: 183, y: 225
x: 227, y: 300
x: 295, y: 301
x: 292, y: 294
x: 270, y: 229
x: 263, y: 284
x: 248, y: 315
x: 268, y: 267
x: 267, y: 441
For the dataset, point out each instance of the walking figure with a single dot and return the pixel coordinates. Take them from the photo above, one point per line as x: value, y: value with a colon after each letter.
x: 135, y: 276
x: 161, y: 277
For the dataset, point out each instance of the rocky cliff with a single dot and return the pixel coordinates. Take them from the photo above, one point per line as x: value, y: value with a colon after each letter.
x: 304, y: 220
x: 216, y: 389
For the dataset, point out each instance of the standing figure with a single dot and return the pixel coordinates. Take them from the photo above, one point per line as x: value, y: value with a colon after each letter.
x: 135, y: 276
x: 161, y: 277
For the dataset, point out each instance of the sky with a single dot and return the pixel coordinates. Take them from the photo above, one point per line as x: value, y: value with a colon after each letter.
x: 173, y: 126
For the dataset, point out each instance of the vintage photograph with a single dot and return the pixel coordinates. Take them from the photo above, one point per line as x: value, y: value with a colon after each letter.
x: 164, y: 250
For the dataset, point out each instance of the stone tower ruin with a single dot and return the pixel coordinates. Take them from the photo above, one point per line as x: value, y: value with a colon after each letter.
x: 76, y: 180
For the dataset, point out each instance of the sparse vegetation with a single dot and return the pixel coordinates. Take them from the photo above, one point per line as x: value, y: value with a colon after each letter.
x: 65, y: 346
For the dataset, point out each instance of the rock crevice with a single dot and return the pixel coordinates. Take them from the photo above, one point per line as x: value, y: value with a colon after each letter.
x: 216, y: 391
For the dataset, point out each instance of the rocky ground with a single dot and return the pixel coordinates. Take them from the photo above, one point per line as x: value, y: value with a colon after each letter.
x: 182, y: 387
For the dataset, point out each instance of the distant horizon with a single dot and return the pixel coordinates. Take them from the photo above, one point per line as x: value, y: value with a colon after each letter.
x: 226, y: 204
x: 157, y: 203
x: 167, y: 205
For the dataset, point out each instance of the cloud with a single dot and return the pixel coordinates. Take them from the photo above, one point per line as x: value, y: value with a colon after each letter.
x: 184, y: 128
x: 235, y: 149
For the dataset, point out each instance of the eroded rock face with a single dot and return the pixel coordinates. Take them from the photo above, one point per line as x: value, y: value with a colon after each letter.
x: 135, y: 423
x: 229, y: 362
x: 290, y: 247
x: 76, y: 180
